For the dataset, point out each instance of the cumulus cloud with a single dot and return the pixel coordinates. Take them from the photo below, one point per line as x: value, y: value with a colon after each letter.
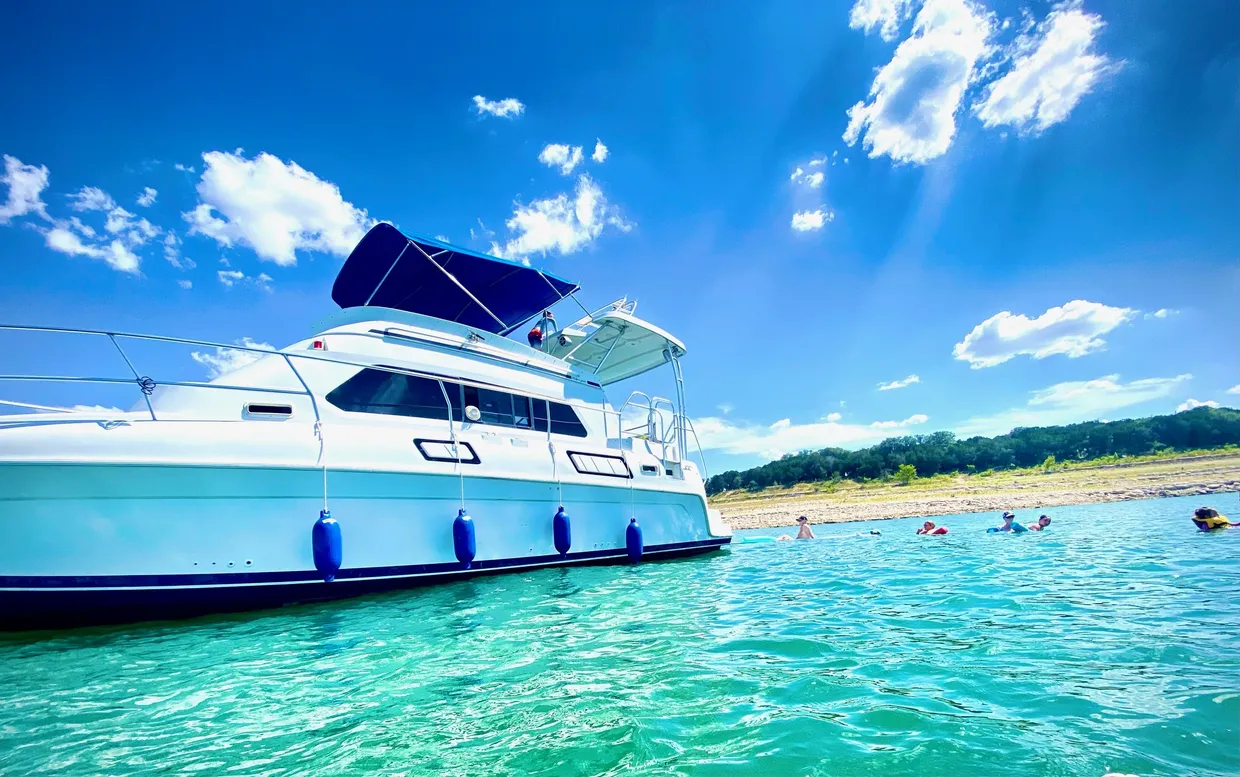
x: 232, y: 278
x: 90, y: 198
x: 172, y: 253
x: 885, y: 15
x: 1053, y: 67
x: 226, y: 360
x: 806, y: 220
x: 184, y: 168
x: 507, y: 108
x: 147, y: 198
x: 561, y: 156
x: 1234, y: 389
x: 1074, y: 402
x: 916, y: 418
x: 1074, y: 329
x: 783, y: 436
x: 1162, y: 313
x: 185, y: 284
x: 600, y: 152
x: 913, y: 101
x: 899, y: 384
x: 814, y: 180
x: 562, y: 224
x: 63, y: 240
x: 274, y: 207
x: 1191, y: 404
x: 26, y: 184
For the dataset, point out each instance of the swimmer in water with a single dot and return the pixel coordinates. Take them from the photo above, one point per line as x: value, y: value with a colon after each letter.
x: 803, y: 533
x: 1043, y: 522
x: 1208, y: 519
x: 929, y: 528
x: 1009, y: 525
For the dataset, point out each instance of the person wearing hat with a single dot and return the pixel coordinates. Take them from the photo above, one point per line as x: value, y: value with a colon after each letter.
x: 803, y: 533
x: 1009, y: 525
x: 1043, y: 522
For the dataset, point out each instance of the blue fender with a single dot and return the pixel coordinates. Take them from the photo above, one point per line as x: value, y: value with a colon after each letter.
x: 463, y: 540
x: 328, y: 547
x: 633, y: 541
x: 562, y: 531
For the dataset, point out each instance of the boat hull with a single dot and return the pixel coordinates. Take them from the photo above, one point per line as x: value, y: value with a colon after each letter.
x: 85, y: 543
x: 54, y: 603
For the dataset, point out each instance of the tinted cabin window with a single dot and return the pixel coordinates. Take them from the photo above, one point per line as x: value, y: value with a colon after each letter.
x: 390, y: 393
x: 564, y: 419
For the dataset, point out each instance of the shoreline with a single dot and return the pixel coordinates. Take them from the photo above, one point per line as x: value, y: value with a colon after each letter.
x: 1212, y: 476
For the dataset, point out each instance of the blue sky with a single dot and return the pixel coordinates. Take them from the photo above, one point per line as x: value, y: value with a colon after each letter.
x: 1032, y: 208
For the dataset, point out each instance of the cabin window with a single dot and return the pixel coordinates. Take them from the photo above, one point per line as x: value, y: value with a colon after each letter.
x: 392, y: 393
x: 564, y: 419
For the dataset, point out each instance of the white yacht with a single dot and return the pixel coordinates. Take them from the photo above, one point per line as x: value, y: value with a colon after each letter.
x: 409, y: 440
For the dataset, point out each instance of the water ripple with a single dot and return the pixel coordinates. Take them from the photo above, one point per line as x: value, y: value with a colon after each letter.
x: 1106, y: 645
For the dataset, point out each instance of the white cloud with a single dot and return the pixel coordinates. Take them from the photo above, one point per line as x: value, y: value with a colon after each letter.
x: 1234, y: 389
x: 886, y: 15
x: 230, y: 277
x: 91, y: 198
x: 814, y: 180
x: 119, y: 220
x: 783, y: 436
x: 60, y: 238
x: 85, y: 230
x: 147, y: 198
x: 725, y: 408
x: 1074, y: 330
x: 917, y: 418
x: 184, y: 168
x: 506, y: 108
x: 600, y: 151
x: 274, y: 207
x: 226, y: 360
x: 561, y: 156
x: 806, y: 220
x: 26, y: 184
x: 1074, y: 402
x: 899, y: 384
x: 797, y: 173
x: 1162, y: 313
x: 1053, y: 68
x: 172, y: 253
x: 1192, y: 404
x: 185, y: 284
x: 559, y: 223
x: 911, y: 116
x: 819, y: 162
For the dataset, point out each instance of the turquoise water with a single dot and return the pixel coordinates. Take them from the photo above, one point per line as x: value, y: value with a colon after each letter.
x: 1111, y: 643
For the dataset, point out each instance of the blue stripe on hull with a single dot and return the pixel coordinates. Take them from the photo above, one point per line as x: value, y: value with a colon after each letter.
x: 65, y: 602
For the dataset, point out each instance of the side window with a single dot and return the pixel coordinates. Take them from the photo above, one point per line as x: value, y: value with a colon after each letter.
x: 392, y: 393
x: 564, y: 420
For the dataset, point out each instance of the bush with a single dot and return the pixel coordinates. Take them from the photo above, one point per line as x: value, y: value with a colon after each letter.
x: 906, y: 474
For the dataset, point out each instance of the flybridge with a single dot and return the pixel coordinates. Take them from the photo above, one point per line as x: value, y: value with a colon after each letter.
x: 419, y: 275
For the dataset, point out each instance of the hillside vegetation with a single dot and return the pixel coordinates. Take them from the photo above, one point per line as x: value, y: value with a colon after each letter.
x: 909, y: 460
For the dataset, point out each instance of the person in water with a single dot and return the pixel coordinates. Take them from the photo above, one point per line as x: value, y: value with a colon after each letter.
x: 929, y: 528
x: 1009, y: 525
x: 803, y: 533
x: 1208, y: 519
x: 1043, y: 522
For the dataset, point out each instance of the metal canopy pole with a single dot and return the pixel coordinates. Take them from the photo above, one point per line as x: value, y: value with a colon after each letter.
x: 459, y: 285
x: 379, y: 285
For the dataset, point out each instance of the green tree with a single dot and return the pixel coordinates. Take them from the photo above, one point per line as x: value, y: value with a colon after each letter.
x: 906, y: 474
x: 1048, y: 463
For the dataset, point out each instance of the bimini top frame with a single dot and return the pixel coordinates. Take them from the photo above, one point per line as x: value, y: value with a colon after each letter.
x: 391, y: 269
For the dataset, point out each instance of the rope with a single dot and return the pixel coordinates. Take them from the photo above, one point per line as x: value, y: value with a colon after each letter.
x: 318, y: 432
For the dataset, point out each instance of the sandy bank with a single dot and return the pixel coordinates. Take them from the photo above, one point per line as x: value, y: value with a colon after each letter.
x: 1214, y: 477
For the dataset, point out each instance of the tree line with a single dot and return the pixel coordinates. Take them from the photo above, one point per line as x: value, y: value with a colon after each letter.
x: 943, y: 453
